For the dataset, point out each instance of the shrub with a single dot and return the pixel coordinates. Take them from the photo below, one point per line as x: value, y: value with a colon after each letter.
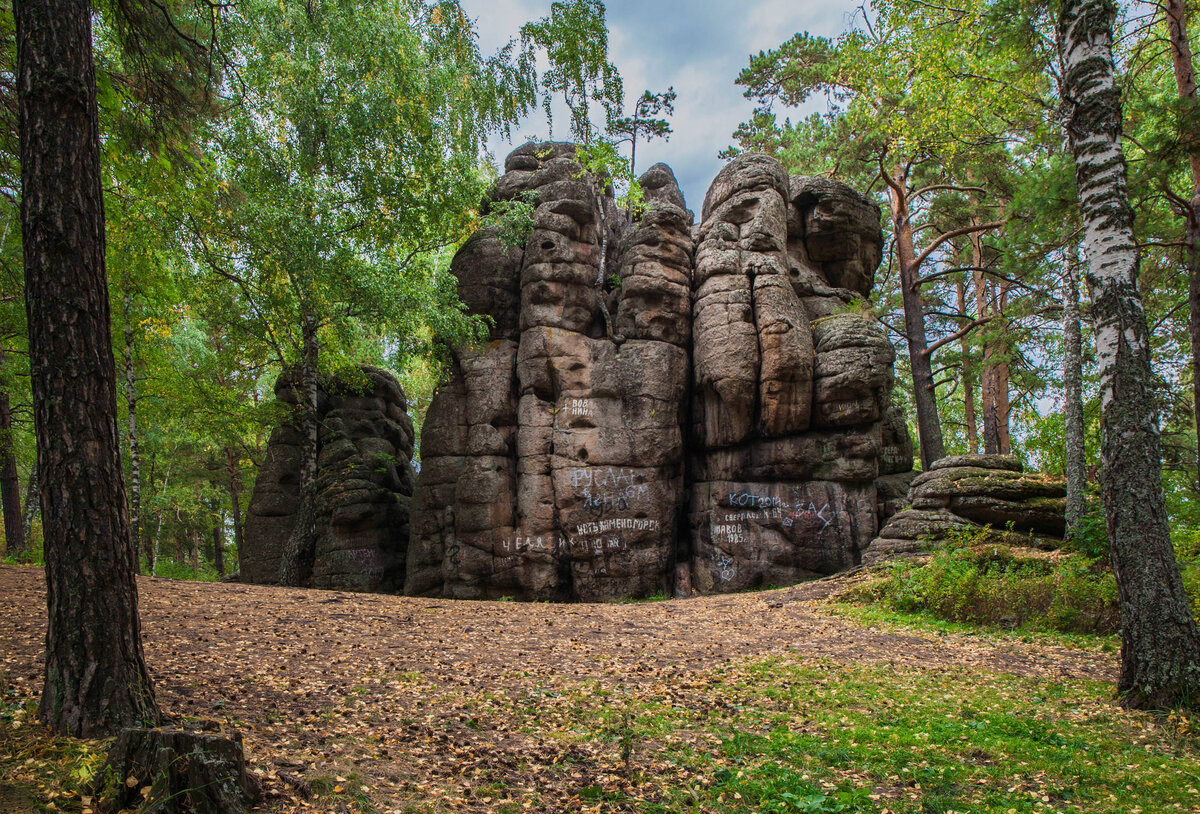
x: 988, y: 585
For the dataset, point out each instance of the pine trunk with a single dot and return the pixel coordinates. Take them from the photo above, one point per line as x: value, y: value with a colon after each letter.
x: 968, y: 380
x: 10, y: 484
x: 929, y: 426
x: 1185, y: 82
x: 1160, y: 643
x: 96, y: 678
x: 1002, y: 373
x: 295, y: 566
x: 1073, y: 398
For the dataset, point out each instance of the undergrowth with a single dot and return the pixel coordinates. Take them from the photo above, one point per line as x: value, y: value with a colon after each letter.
x: 969, y: 582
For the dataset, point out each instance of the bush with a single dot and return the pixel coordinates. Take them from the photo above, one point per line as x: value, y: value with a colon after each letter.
x: 988, y: 585
x: 171, y: 569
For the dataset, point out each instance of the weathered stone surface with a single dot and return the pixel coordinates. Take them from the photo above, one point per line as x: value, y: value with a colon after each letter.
x: 790, y: 387
x: 751, y: 534
x: 972, y: 492
x: 896, y: 446
x: 569, y: 485
x: 979, y: 460
x: 838, y: 229
x: 364, y: 484
x: 854, y: 371
x: 726, y: 430
x: 892, y: 494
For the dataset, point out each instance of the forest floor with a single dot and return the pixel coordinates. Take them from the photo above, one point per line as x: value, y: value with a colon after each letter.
x: 771, y: 701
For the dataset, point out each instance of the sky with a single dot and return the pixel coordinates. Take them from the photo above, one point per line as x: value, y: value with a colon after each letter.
x: 697, y: 46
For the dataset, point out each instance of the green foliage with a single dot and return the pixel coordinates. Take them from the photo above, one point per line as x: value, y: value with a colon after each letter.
x: 601, y: 162
x: 172, y: 569
x: 513, y: 219
x: 971, y: 581
x: 574, y: 40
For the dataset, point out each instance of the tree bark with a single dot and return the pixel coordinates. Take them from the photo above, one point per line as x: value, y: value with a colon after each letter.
x: 235, y: 500
x: 1185, y: 81
x: 135, y: 457
x: 968, y: 380
x: 31, y: 503
x: 929, y: 425
x: 295, y: 566
x: 1073, y: 398
x: 218, y: 531
x: 1002, y: 374
x: 1160, y: 643
x: 96, y: 678
x: 154, y: 549
x: 10, y: 484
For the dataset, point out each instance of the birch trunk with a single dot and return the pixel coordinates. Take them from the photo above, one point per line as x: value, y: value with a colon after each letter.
x: 235, y: 500
x: 135, y: 456
x: 1073, y: 398
x: 1160, y: 643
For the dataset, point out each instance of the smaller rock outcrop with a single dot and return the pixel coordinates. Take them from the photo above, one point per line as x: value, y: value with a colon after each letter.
x: 365, y: 482
x: 962, y: 493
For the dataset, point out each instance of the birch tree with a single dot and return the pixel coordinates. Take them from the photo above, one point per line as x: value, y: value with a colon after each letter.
x: 1160, y: 642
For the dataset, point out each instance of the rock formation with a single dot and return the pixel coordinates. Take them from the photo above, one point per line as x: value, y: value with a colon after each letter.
x: 713, y: 417
x: 365, y: 481
x: 964, y: 493
x: 791, y: 382
x: 552, y: 462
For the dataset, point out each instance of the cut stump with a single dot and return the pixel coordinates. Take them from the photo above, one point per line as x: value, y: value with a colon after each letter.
x: 171, y: 771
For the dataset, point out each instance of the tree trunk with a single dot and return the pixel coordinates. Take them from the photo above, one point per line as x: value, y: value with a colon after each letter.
x: 1073, y: 398
x: 295, y: 567
x: 1185, y: 82
x: 218, y: 531
x: 968, y: 380
x: 1002, y: 374
x: 169, y: 771
x: 96, y: 678
x: 154, y: 549
x: 929, y: 426
x: 135, y: 457
x: 1160, y: 643
x: 235, y: 500
x: 10, y: 484
x: 31, y: 503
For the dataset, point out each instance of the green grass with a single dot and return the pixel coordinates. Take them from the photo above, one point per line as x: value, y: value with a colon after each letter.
x: 881, y: 617
x: 784, y: 735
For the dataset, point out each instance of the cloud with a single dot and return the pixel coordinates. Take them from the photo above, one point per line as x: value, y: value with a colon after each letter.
x: 697, y: 46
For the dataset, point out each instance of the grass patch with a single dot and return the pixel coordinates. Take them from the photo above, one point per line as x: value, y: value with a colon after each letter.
x: 990, y: 586
x: 838, y: 738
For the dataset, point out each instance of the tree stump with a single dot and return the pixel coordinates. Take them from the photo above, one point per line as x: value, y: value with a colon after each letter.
x: 174, y: 772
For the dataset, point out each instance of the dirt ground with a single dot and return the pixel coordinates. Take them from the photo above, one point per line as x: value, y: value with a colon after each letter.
x: 384, y: 692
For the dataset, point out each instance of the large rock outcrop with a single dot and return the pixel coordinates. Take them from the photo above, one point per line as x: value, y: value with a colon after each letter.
x: 365, y: 481
x: 792, y: 383
x: 963, y: 494
x: 552, y: 462
x: 710, y: 412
